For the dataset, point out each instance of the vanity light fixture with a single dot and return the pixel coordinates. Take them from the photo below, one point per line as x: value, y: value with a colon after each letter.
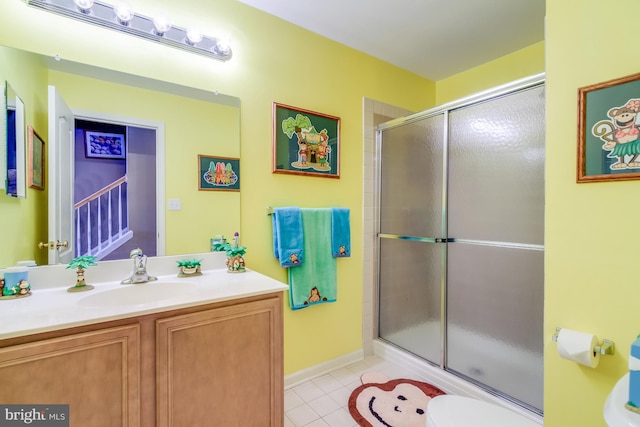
x: 84, y: 6
x: 121, y: 18
x: 194, y: 36
x: 161, y: 25
x: 124, y: 14
x: 223, y: 46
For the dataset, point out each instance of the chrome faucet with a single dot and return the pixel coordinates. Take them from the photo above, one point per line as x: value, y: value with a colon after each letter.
x: 140, y: 274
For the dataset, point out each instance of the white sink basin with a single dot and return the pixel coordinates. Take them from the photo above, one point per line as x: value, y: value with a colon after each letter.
x: 140, y: 294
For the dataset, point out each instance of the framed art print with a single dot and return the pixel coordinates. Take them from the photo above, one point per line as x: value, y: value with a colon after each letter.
x: 609, y: 130
x: 305, y: 142
x: 104, y: 145
x: 218, y: 173
x: 35, y: 160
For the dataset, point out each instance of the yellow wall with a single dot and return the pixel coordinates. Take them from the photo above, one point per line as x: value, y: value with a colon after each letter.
x: 590, y: 278
x: 20, y: 226
x: 517, y: 65
x: 289, y: 65
x: 273, y: 61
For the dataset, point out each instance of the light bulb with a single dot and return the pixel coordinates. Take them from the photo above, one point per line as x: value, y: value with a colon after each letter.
x: 194, y: 36
x: 222, y: 46
x: 84, y: 6
x: 123, y: 13
x: 161, y: 24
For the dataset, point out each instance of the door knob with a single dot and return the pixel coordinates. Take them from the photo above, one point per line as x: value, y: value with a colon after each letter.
x: 53, y: 245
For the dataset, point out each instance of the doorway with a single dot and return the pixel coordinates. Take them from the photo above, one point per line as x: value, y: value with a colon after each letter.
x: 114, y: 194
x: 460, y: 239
x: 63, y: 229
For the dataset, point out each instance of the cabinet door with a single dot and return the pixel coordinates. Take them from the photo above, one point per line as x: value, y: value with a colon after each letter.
x: 95, y: 373
x: 221, y: 367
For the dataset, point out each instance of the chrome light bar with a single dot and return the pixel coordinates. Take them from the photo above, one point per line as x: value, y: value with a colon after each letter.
x: 104, y: 15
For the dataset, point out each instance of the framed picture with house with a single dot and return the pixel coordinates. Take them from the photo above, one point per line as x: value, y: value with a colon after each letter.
x: 305, y: 142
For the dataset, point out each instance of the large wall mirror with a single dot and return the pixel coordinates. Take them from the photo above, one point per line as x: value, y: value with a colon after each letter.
x: 134, y: 153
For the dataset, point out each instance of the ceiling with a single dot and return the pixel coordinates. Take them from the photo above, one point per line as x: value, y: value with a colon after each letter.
x: 432, y: 38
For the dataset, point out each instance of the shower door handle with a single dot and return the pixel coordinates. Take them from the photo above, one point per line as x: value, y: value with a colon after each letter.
x: 444, y: 240
x: 415, y: 238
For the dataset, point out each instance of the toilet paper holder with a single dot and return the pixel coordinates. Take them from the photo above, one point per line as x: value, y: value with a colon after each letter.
x: 607, y: 347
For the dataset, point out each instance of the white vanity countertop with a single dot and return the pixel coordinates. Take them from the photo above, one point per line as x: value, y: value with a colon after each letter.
x: 54, y: 308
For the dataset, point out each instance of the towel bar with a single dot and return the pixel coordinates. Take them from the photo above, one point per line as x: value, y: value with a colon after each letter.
x: 269, y: 210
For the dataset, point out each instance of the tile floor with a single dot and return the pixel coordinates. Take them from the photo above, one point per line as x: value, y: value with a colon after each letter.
x: 323, y: 401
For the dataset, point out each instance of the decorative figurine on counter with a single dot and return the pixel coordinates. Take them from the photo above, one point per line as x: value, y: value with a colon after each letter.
x: 21, y: 289
x: 235, y: 253
x: 81, y: 264
x: 235, y: 259
x: 189, y: 267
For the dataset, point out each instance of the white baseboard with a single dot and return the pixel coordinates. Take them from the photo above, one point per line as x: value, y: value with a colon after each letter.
x: 322, y: 369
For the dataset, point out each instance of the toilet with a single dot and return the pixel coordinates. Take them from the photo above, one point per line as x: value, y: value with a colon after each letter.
x: 615, y: 413
x: 458, y: 411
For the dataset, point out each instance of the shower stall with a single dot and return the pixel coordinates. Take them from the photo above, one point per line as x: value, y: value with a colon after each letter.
x: 461, y: 238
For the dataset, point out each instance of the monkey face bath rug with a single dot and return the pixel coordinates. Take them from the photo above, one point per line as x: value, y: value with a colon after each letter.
x: 381, y: 402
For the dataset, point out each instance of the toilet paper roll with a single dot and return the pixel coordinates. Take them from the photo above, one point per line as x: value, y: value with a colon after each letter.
x: 578, y: 347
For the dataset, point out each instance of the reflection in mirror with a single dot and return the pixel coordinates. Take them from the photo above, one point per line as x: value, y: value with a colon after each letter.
x: 187, y: 120
x: 3, y: 140
x: 15, y: 154
x: 115, y: 186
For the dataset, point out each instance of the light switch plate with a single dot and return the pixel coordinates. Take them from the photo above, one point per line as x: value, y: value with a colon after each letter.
x: 174, y: 205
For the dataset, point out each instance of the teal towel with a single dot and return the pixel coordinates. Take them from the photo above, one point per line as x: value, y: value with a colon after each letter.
x: 340, y: 233
x: 314, y: 281
x: 287, y: 236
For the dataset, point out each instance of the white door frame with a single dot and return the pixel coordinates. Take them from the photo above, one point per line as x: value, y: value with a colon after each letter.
x: 160, y: 184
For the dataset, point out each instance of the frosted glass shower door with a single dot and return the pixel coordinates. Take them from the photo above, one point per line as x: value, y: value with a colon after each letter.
x: 410, y: 236
x: 495, y: 270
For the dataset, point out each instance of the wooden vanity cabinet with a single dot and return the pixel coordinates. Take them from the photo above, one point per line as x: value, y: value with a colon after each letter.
x: 221, y: 367
x: 96, y: 373
x: 211, y: 365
